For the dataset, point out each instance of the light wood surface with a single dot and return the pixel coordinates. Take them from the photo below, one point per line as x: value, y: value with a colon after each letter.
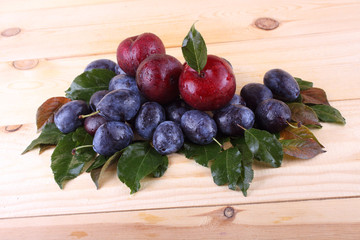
x: 44, y: 45
x: 283, y: 220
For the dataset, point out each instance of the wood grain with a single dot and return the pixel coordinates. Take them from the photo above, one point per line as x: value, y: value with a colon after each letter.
x: 219, y: 21
x: 332, y: 174
x: 322, y: 219
x: 46, y: 44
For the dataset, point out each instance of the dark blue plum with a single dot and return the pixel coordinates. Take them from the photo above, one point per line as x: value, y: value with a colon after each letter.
x: 150, y: 115
x: 237, y: 99
x: 176, y: 109
x: 101, y: 64
x: 118, y: 70
x: 272, y: 115
x: 168, y: 138
x: 124, y: 81
x: 231, y: 120
x: 119, y: 105
x: 92, y: 123
x: 96, y: 98
x: 67, y: 117
x: 111, y: 137
x: 198, y: 127
x: 282, y: 84
x: 255, y: 93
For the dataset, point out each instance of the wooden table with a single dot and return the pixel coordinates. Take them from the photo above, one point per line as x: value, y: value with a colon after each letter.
x: 44, y: 45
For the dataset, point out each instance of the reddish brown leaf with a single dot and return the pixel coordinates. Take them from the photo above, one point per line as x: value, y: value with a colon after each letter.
x: 314, y: 96
x: 301, y: 148
x: 300, y: 142
x: 301, y: 132
x: 303, y: 114
x: 46, y: 111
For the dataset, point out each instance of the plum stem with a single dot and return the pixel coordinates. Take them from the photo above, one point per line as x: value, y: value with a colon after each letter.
x: 215, y: 140
x: 88, y: 115
x: 80, y: 147
x: 293, y: 126
x: 241, y: 127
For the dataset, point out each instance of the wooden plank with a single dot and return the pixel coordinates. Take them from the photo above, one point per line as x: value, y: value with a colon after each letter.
x: 25, y: 5
x: 101, y: 27
x: 28, y: 188
x: 322, y: 219
x: 330, y: 60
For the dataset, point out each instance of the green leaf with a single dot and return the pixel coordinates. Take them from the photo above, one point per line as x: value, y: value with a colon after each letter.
x: 98, y: 173
x: 304, y: 114
x: 265, y: 146
x: 303, y: 84
x: 50, y: 135
x: 202, y: 154
x: 100, y: 160
x: 247, y: 173
x: 82, y: 138
x: 328, y: 114
x: 194, y: 50
x: 44, y: 147
x: 137, y: 161
x: 64, y: 164
x: 301, y: 148
x: 159, y: 172
x: 226, y: 168
x: 89, y: 82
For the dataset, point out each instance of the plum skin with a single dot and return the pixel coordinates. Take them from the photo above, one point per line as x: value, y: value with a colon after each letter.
x: 111, y: 137
x: 255, y: 93
x: 133, y: 50
x: 67, y: 117
x: 175, y: 110
x: 150, y: 115
x: 158, y: 77
x: 198, y: 127
x: 92, y: 123
x: 210, y: 90
x: 282, y: 84
x: 232, y: 119
x: 168, y: 138
x: 96, y: 98
x: 119, y: 105
x: 101, y: 64
x: 272, y: 115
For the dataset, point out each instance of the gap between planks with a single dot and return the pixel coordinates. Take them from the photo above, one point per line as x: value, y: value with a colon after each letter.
x: 185, y: 207
x: 171, y: 47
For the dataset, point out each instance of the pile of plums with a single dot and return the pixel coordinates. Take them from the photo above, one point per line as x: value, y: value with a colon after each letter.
x: 154, y: 97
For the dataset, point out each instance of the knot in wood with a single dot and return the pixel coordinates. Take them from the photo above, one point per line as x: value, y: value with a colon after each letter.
x: 25, y: 64
x: 13, y: 128
x: 266, y: 23
x: 229, y: 212
x: 10, y: 32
